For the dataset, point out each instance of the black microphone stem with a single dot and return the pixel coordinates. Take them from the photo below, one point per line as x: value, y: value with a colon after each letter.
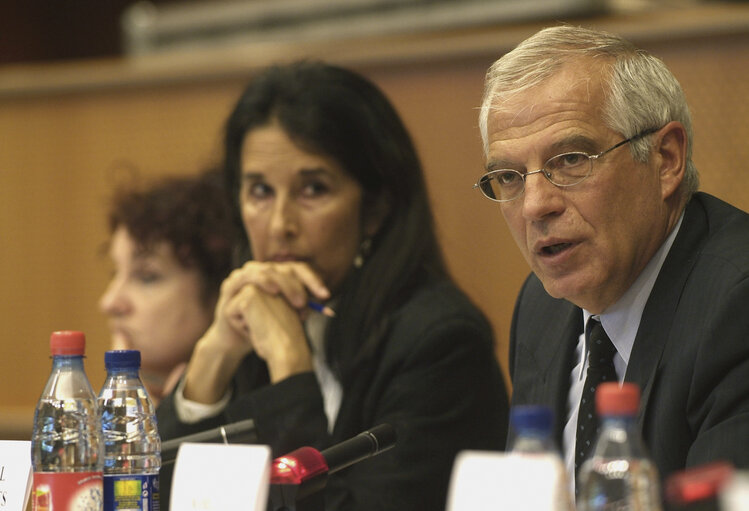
x: 368, y: 443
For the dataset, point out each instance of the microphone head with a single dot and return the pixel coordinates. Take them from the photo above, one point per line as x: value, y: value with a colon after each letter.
x: 303, y: 473
x: 298, y: 466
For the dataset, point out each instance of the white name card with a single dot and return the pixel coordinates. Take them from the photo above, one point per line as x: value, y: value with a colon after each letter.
x: 501, y: 481
x: 217, y: 477
x: 15, y: 474
x: 734, y: 496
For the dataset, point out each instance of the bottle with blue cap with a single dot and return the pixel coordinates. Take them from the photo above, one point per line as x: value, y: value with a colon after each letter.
x: 132, y: 446
x: 532, y: 428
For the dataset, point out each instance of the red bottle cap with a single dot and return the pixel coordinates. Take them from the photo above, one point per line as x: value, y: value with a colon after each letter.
x: 67, y: 342
x: 617, y: 399
x: 699, y: 483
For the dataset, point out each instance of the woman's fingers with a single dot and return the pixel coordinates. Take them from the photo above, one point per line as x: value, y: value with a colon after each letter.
x: 294, y: 281
x: 274, y: 330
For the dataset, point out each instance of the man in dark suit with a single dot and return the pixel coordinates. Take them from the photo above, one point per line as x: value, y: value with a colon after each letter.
x: 614, y: 229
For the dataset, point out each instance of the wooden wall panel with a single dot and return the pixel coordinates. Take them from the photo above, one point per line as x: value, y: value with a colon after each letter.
x: 60, y: 158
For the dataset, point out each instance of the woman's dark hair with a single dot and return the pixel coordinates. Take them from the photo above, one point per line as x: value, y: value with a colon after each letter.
x: 334, y: 112
x: 193, y: 214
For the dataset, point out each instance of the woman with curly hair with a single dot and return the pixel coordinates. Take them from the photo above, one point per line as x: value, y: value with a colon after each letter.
x: 172, y: 245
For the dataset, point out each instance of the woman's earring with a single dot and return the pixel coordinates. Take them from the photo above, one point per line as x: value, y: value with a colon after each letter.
x: 361, y: 255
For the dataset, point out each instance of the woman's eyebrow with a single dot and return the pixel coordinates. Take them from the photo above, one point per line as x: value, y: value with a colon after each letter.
x: 249, y: 175
x: 314, y: 171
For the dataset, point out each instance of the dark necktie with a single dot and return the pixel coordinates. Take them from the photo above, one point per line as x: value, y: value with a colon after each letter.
x: 600, y: 368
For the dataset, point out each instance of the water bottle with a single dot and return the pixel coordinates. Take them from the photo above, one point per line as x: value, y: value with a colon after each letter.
x: 619, y: 475
x: 132, y: 447
x: 532, y: 426
x: 66, y: 446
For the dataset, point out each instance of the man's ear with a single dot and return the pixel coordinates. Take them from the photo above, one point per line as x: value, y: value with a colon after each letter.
x: 375, y: 214
x: 670, y: 151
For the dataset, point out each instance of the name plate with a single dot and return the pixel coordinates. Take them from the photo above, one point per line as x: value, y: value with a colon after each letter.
x: 217, y: 477
x: 734, y: 495
x: 15, y: 474
x: 501, y: 481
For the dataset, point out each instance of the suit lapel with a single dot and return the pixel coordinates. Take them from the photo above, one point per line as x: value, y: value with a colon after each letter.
x: 658, y: 315
x: 554, y: 336
x: 560, y: 366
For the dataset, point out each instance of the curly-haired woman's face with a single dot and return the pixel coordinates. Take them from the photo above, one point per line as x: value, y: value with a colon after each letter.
x: 154, y: 304
x: 300, y: 206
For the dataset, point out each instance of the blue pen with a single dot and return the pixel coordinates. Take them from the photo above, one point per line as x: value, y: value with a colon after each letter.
x: 322, y: 309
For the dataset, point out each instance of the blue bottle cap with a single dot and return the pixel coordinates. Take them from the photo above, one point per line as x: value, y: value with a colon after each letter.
x: 122, y: 359
x: 531, y: 417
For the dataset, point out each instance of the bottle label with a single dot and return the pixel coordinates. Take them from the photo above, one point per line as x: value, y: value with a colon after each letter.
x: 67, y: 491
x: 131, y: 492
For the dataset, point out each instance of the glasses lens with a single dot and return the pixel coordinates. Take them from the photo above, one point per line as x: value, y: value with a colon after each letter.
x: 502, y: 185
x: 568, y: 168
x: 486, y: 186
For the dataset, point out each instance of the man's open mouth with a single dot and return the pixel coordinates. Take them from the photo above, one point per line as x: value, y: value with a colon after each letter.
x: 555, y: 249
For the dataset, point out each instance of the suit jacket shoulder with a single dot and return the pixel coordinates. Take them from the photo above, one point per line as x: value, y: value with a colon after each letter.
x: 691, y: 355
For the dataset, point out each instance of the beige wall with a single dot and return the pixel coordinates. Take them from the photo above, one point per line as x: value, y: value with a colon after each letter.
x: 69, y: 132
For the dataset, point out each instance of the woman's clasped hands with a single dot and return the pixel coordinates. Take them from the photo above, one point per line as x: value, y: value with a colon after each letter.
x: 261, y: 308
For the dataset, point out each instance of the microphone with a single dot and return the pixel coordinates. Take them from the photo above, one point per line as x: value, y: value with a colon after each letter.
x: 362, y: 446
x: 241, y: 432
x: 297, y: 477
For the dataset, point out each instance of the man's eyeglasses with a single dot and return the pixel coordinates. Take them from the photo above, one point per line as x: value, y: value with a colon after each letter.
x: 568, y: 169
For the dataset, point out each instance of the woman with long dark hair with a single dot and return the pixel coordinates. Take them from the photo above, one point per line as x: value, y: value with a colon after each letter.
x: 330, y: 192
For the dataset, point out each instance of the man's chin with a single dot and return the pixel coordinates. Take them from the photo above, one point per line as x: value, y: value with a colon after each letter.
x: 567, y: 288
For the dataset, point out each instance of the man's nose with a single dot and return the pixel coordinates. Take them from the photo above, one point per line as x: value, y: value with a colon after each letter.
x: 541, y: 197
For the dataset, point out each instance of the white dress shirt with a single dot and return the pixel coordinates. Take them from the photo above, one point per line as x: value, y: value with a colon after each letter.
x: 621, y: 322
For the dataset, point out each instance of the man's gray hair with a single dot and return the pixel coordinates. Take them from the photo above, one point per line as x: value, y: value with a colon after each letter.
x: 640, y: 91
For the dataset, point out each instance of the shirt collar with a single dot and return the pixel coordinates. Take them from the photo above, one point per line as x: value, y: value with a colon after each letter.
x: 622, y: 320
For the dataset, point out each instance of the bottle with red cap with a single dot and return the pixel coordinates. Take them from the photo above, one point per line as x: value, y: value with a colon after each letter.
x: 619, y: 475
x: 66, y: 444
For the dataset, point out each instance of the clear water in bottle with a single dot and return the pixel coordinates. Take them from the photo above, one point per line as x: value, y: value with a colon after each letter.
x: 132, y: 446
x: 131, y: 437
x: 66, y: 447
x: 619, y: 476
x: 63, y: 440
x: 620, y: 484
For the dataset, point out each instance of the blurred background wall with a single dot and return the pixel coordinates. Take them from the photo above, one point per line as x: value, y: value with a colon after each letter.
x: 83, y: 109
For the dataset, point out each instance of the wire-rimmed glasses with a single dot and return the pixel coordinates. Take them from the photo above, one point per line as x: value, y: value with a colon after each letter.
x: 563, y: 170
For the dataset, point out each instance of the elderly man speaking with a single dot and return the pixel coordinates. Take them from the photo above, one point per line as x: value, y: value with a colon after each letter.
x: 588, y: 153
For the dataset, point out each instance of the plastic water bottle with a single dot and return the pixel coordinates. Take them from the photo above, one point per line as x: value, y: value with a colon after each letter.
x: 619, y: 475
x: 532, y: 426
x: 66, y: 447
x: 132, y: 447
